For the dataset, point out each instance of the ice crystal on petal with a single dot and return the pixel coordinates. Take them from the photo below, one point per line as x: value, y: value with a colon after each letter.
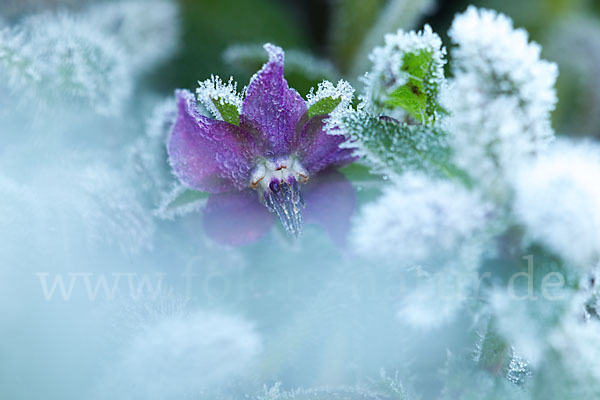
x: 558, y: 199
x: 500, y: 98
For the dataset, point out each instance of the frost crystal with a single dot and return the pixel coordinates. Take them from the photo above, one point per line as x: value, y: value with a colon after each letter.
x: 341, y: 94
x: 410, y: 64
x: 501, y: 96
x: 344, y: 393
x: 517, y: 371
x: 219, y: 98
x: 558, y: 199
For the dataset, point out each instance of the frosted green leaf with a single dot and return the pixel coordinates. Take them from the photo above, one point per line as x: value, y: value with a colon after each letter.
x: 329, y: 98
x: 228, y: 111
x: 180, y: 201
x: 323, y: 106
x: 416, y: 96
x: 391, y: 147
x: 407, y: 75
x: 220, y: 99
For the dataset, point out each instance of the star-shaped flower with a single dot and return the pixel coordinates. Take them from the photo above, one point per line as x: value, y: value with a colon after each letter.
x: 266, y: 146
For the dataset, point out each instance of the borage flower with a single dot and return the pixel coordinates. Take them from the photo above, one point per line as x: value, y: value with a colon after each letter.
x: 265, y: 147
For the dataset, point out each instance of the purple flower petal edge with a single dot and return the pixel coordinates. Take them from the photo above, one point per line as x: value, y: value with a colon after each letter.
x: 208, y: 154
x: 318, y: 149
x: 271, y: 110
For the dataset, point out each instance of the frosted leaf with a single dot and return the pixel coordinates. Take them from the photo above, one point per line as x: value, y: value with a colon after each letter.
x: 220, y: 99
x: 148, y: 154
x: 391, y: 148
x: 430, y: 226
x: 54, y: 58
x: 558, y: 199
x: 146, y: 30
x: 329, y: 98
x: 180, y: 201
x: 182, y: 355
x: 407, y: 72
x: 252, y: 56
x: 500, y: 98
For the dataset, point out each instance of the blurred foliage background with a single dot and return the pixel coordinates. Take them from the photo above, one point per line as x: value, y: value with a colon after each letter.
x: 343, y: 32
x: 569, y: 31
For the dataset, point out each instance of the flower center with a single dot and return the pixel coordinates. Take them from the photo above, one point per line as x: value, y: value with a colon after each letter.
x: 277, y: 182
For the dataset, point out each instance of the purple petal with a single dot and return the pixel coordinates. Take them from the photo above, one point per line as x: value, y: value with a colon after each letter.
x: 236, y: 218
x: 330, y: 202
x: 318, y: 150
x: 271, y: 110
x: 208, y: 154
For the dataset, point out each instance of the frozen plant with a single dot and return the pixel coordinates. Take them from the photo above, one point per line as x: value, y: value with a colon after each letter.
x: 407, y: 74
x: 266, y: 146
x: 500, y: 97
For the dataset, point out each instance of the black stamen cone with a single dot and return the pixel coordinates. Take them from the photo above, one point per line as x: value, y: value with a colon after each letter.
x: 285, y: 200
